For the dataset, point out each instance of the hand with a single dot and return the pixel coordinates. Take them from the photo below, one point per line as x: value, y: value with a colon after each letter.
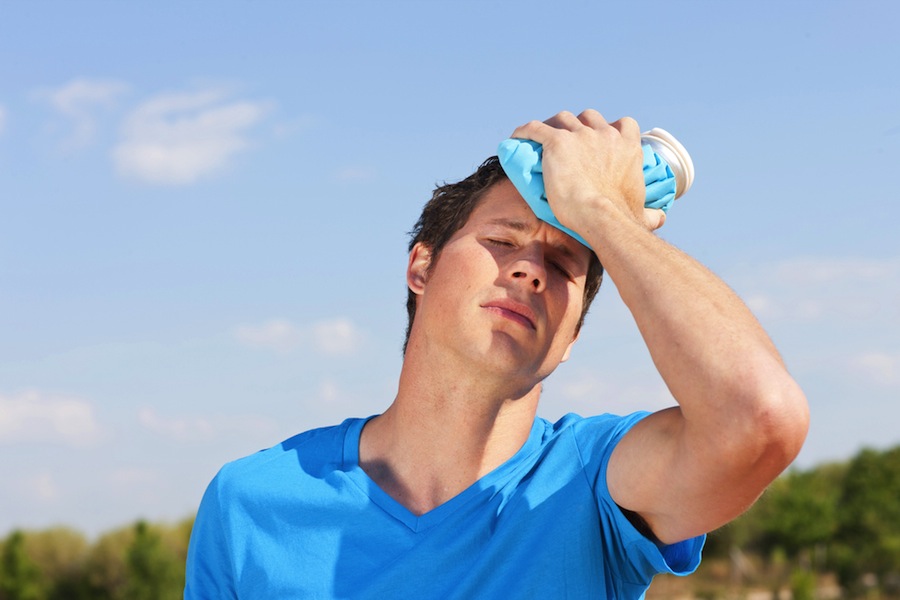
x: 585, y: 160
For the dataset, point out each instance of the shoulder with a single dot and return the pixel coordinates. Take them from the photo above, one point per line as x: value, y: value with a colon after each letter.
x: 595, y: 433
x: 584, y: 444
x: 310, y: 453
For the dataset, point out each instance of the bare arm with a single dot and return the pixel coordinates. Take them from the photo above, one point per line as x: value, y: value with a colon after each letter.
x: 741, y: 418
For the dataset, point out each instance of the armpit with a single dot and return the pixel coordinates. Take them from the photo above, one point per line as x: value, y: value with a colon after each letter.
x: 640, y: 524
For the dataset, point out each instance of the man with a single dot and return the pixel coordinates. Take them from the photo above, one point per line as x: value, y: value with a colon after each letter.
x: 457, y: 490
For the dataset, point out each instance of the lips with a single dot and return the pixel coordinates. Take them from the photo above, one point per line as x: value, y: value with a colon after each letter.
x: 515, y: 311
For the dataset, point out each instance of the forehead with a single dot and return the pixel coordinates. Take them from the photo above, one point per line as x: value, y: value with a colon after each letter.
x: 502, y: 206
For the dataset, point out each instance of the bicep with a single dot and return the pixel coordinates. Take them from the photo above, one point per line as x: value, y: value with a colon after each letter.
x: 682, y: 483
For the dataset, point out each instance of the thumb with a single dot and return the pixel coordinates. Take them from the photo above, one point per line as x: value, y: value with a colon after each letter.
x: 654, y: 218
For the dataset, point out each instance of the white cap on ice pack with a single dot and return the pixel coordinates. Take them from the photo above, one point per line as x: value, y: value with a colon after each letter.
x: 669, y: 149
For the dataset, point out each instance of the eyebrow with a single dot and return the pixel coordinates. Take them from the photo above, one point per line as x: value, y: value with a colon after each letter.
x: 511, y: 224
x: 525, y: 227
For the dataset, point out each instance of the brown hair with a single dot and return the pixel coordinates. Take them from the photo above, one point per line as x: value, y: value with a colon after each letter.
x: 446, y: 213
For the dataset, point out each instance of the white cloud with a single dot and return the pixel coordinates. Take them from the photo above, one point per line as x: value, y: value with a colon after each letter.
x: 329, y: 391
x: 356, y: 173
x: 179, y: 428
x: 41, y: 487
x: 276, y: 334
x: 189, y: 428
x: 2, y: 119
x: 36, y: 417
x: 178, y: 138
x: 813, y: 289
x: 336, y: 337
x: 288, y: 128
x: 331, y: 337
x: 589, y: 393
x: 813, y: 271
x: 879, y: 367
x: 129, y: 476
x: 78, y: 101
x: 182, y: 428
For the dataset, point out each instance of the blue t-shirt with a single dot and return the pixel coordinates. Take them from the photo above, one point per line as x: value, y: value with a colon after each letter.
x: 303, y: 520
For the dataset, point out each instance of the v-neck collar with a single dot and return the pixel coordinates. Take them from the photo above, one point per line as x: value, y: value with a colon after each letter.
x: 420, y: 523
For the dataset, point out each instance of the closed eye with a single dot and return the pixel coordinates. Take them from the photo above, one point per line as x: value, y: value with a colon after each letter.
x: 558, y: 267
x: 561, y: 269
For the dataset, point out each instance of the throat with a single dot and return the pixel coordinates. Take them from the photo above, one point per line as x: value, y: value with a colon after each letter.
x: 422, y: 467
x: 422, y: 479
x: 428, y: 447
x: 418, y: 497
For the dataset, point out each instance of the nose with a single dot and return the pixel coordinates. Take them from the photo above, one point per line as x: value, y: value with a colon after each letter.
x: 528, y: 268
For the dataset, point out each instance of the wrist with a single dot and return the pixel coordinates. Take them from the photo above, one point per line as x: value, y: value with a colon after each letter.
x: 610, y: 223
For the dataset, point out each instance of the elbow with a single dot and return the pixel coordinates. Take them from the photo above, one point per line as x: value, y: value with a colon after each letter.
x: 792, y: 424
x: 777, y: 426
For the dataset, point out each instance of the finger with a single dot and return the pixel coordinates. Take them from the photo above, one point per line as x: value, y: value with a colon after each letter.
x: 592, y: 119
x: 654, y: 218
x: 564, y: 120
x: 533, y: 130
x: 628, y: 127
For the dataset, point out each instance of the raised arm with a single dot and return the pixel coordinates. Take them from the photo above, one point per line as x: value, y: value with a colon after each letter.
x: 741, y: 418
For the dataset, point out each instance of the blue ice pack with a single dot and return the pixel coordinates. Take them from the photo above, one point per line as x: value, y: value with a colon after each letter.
x: 521, y: 160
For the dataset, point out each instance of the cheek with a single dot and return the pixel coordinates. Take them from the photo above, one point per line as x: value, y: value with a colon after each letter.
x: 569, y: 305
x: 565, y: 294
x: 460, y: 270
x: 472, y: 265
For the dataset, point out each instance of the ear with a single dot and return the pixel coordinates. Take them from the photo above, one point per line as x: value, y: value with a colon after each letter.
x: 568, y: 351
x: 417, y: 269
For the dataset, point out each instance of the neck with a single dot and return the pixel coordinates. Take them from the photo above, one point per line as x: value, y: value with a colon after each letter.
x: 444, y: 431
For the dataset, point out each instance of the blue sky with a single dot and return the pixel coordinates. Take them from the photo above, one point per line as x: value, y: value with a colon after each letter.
x: 203, y: 209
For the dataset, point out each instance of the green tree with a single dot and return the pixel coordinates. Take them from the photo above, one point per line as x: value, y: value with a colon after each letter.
x: 868, y: 536
x: 803, y: 585
x: 154, y: 570
x: 800, y: 511
x: 105, y: 570
x: 59, y: 554
x: 20, y: 577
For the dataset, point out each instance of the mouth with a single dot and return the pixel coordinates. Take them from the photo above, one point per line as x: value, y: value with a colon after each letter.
x: 512, y: 310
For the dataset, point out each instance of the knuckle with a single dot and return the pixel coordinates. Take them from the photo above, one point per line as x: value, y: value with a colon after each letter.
x: 628, y: 125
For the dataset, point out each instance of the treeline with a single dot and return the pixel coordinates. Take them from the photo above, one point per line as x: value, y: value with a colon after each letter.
x: 140, y: 562
x: 836, y: 523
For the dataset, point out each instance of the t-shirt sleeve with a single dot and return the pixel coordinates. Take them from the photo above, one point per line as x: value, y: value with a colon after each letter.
x: 633, y: 559
x: 210, y: 570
